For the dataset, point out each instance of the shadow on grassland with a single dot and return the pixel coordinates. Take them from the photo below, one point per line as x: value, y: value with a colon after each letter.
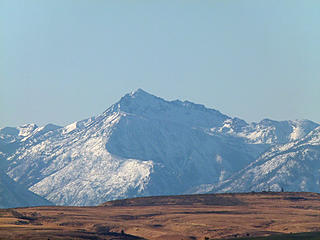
x: 291, y: 236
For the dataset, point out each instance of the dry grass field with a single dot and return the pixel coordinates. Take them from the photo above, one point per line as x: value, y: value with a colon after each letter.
x: 209, y: 216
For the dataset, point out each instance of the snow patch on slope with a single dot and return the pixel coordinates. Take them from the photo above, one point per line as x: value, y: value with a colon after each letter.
x: 91, y: 180
x: 27, y: 129
x: 70, y: 127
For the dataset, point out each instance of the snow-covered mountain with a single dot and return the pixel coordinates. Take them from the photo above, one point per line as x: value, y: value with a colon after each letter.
x: 141, y: 145
x: 294, y: 166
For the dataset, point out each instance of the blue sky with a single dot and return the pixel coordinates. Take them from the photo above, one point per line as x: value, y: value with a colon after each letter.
x: 66, y: 60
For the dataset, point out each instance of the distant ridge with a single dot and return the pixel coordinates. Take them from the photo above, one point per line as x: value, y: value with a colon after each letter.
x: 193, y: 199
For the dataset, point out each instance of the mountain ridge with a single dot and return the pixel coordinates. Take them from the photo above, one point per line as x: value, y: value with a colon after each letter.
x: 140, y: 146
x: 273, y: 169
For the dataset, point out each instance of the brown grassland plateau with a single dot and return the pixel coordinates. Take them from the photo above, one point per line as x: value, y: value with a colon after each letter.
x: 206, y: 216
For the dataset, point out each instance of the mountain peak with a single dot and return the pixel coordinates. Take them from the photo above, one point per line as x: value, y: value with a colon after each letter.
x: 144, y: 104
x: 144, y: 144
x: 136, y: 101
x: 141, y: 96
x: 140, y: 92
x: 27, y: 129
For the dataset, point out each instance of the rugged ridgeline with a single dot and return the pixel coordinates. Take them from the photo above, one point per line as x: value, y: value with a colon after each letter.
x: 144, y: 145
x: 294, y: 166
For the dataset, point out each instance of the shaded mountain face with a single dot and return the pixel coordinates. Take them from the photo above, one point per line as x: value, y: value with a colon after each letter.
x: 141, y: 145
x: 14, y: 195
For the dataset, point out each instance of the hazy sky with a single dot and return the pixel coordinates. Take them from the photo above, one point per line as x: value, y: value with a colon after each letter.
x: 62, y: 61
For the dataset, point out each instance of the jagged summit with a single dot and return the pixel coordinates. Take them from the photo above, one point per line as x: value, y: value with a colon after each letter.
x: 140, y: 92
x: 144, y: 104
x: 140, y: 99
x: 141, y: 95
x: 134, y: 101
